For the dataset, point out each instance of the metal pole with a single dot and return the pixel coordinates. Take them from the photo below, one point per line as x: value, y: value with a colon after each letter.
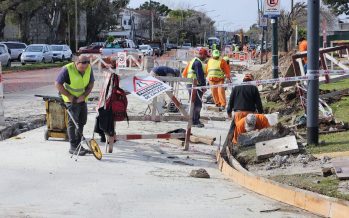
x: 76, y: 27
x: 274, y: 22
x: 152, y: 21
x: 262, y: 45
x: 313, y: 66
x: 266, y: 41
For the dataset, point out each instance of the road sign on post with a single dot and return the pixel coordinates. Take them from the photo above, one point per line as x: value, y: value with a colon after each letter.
x: 272, y: 8
x: 122, y: 59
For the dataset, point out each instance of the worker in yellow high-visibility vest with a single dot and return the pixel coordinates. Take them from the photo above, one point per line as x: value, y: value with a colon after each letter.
x: 217, y: 71
x: 75, y: 83
x: 196, y: 70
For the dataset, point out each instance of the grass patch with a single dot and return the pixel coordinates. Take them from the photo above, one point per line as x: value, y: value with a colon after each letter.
x: 334, y: 142
x: 339, y: 85
x: 340, y: 109
x: 312, y: 182
x: 36, y: 66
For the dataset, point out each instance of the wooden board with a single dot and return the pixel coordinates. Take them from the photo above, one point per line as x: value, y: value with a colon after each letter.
x: 341, y: 168
x: 281, y: 146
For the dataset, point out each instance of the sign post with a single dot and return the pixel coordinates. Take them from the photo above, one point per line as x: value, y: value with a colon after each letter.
x: 122, y: 56
x: 272, y: 10
x: 2, y: 117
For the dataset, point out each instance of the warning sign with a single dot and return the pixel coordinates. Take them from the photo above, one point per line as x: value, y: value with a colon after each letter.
x: 122, y: 59
x: 144, y: 87
x: 272, y: 8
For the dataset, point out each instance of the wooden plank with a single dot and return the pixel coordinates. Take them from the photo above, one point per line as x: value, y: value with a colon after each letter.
x: 158, y: 118
x: 282, y: 146
x: 176, y: 142
x: 201, y: 139
x: 173, y: 79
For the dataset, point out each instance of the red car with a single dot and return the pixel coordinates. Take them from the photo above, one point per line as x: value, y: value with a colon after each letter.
x: 94, y: 48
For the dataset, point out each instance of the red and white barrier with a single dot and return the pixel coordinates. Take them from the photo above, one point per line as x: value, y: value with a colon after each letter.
x: 150, y: 136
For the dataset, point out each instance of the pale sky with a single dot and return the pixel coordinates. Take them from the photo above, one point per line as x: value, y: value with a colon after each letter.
x: 233, y: 14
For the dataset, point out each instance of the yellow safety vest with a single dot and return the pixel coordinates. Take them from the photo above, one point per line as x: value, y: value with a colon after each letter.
x: 214, y: 46
x: 78, y: 82
x: 214, y: 68
x: 191, y: 72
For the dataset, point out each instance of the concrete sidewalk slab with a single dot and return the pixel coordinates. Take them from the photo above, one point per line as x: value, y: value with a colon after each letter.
x: 39, y: 179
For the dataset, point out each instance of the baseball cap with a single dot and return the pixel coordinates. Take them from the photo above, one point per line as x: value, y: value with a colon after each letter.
x: 226, y: 58
x: 250, y: 122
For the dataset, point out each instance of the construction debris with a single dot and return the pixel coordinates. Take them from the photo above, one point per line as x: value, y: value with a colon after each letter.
x: 281, y: 146
x: 200, y: 173
x: 341, y: 168
x: 202, y: 139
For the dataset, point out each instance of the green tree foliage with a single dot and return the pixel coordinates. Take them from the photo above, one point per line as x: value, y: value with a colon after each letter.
x: 160, y: 9
x: 338, y: 6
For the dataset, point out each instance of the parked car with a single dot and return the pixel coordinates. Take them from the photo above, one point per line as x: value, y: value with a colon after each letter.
x: 37, y: 53
x: 5, y: 57
x: 170, y: 46
x: 146, y: 50
x: 118, y: 45
x: 94, y: 48
x: 16, y: 49
x: 186, y: 46
x: 61, y: 52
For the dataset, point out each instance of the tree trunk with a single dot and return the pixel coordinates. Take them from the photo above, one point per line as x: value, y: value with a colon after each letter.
x: 286, y: 39
x: 2, y: 24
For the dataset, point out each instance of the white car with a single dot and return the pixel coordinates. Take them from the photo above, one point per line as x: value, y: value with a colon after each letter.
x: 37, y: 53
x: 186, y: 46
x: 118, y: 45
x: 5, y: 57
x: 146, y: 50
x: 16, y: 49
x: 61, y: 52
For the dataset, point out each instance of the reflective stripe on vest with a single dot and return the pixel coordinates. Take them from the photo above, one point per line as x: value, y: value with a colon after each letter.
x: 191, y: 72
x: 78, y: 82
x: 214, y: 68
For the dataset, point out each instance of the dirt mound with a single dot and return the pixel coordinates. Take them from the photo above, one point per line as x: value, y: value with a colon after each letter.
x: 285, y: 61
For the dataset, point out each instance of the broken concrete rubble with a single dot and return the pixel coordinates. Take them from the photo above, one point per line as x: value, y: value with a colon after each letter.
x: 200, y: 173
x: 281, y: 146
x: 251, y: 138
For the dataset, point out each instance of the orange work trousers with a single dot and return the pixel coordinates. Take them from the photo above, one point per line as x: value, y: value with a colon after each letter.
x: 238, y: 115
x: 218, y: 93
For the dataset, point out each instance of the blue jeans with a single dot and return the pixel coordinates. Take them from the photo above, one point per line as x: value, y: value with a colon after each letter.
x: 197, y: 104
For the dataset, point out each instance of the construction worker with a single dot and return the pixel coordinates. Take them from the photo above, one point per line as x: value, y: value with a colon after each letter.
x: 217, y: 70
x: 226, y: 58
x: 214, y: 46
x: 165, y: 71
x: 75, y: 83
x: 302, y: 47
x: 196, y: 70
x: 249, y: 123
x: 243, y: 100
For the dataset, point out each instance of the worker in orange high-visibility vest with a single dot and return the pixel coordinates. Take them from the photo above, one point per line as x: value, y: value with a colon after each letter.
x: 249, y: 123
x: 217, y: 71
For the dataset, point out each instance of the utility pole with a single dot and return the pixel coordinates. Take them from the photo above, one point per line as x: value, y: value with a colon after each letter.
x: 266, y: 41
x: 275, y: 56
x: 313, y: 67
x: 152, y: 21
x: 262, y: 45
x: 76, y: 27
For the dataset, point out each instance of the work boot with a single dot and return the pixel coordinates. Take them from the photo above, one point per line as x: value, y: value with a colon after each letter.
x: 199, y: 125
x: 81, y: 153
x: 103, y: 139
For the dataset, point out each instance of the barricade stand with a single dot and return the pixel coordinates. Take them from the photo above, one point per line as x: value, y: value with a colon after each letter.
x: 191, y: 110
x: 157, y: 117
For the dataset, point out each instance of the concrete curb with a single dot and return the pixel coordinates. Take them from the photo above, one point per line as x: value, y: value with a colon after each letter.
x: 307, y: 200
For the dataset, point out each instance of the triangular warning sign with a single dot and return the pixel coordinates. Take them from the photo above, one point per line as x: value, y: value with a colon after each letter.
x: 139, y: 84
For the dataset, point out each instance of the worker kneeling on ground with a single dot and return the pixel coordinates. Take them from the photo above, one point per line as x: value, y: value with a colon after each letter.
x: 217, y: 71
x: 249, y: 123
x: 75, y: 83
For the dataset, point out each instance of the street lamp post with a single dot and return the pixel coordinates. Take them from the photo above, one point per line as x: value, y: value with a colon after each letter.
x: 313, y: 67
